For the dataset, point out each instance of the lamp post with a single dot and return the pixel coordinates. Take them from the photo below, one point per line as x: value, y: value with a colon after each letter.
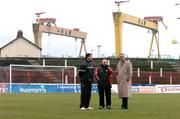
x: 99, y: 46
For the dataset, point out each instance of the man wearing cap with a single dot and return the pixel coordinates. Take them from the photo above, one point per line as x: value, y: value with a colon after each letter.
x: 124, y: 74
x: 86, y: 74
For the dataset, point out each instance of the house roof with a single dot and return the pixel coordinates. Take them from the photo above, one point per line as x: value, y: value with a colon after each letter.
x: 17, y: 39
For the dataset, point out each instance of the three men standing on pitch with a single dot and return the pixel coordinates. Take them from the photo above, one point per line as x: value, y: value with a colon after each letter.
x: 86, y: 74
x: 124, y: 74
x: 103, y: 75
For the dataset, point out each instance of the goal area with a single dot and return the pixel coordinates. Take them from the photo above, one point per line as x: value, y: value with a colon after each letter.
x: 42, y: 74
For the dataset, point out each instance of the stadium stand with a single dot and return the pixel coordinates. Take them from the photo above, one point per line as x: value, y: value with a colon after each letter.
x: 8, y: 61
x: 170, y: 70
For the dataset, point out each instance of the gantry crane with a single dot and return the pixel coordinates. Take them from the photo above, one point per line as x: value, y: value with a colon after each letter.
x: 48, y: 25
x: 150, y: 23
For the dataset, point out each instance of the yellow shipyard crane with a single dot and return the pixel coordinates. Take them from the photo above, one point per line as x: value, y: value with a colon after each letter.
x: 48, y: 25
x: 150, y: 23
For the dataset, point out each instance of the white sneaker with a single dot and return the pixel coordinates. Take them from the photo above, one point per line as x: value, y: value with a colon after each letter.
x: 90, y: 108
x: 83, y: 108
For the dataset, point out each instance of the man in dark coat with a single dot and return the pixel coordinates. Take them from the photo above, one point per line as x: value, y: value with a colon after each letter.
x: 86, y: 74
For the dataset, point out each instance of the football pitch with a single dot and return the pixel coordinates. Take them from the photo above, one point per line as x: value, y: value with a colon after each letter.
x: 66, y: 106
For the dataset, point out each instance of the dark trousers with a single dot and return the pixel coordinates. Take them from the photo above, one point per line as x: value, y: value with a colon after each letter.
x: 107, y: 91
x: 124, y: 103
x: 85, y: 94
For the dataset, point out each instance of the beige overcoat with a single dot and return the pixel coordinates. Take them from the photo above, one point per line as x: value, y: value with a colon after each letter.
x: 124, y: 74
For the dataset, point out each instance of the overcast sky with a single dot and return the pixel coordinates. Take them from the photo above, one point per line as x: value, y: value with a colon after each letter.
x: 95, y: 18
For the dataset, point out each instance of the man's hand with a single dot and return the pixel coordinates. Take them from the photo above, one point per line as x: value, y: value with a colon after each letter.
x: 128, y: 78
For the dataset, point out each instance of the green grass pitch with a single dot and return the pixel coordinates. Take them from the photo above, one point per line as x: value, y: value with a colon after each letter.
x: 66, y: 106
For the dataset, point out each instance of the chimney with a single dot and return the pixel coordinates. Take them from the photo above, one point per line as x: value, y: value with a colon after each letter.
x: 19, y: 34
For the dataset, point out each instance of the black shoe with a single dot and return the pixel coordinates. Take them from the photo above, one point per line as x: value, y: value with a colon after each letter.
x: 101, y: 107
x: 124, y: 107
x: 108, y: 107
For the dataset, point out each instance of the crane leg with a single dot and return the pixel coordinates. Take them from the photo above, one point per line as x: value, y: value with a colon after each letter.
x: 82, y: 44
x: 157, y: 43
x: 85, y: 48
x: 152, y: 39
x: 37, y: 35
x: 150, y: 49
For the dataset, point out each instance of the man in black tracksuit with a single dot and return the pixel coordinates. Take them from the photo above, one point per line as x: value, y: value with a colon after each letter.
x: 86, y: 73
x: 103, y: 76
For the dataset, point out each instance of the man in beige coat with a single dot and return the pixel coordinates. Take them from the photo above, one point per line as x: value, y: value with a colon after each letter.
x: 124, y: 74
